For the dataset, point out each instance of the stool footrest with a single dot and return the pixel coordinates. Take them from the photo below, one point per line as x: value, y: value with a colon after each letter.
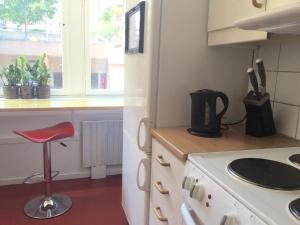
x: 28, y: 180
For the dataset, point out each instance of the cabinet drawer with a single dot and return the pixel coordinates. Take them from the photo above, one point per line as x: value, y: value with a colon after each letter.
x: 160, y: 215
x: 165, y: 193
x: 153, y: 219
x: 165, y: 163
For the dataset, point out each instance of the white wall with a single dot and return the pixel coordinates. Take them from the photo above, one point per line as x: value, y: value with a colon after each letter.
x: 282, y: 61
x: 187, y: 64
x: 19, y: 158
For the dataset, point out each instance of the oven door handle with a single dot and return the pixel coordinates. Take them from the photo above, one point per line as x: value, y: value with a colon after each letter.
x: 187, y: 215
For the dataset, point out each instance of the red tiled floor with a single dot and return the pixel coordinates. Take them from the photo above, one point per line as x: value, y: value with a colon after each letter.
x: 95, y: 202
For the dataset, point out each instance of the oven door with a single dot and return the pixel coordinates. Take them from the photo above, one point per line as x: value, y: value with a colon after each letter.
x: 189, y: 216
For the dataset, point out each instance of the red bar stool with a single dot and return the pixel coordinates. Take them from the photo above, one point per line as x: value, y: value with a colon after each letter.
x: 48, y: 205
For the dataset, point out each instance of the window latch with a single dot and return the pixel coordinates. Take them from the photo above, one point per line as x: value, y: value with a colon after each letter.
x: 63, y: 144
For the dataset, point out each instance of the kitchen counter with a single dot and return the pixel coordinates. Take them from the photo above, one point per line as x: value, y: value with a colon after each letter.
x: 181, y: 143
x: 54, y: 104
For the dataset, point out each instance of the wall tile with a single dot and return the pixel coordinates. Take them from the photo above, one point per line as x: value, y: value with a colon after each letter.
x: 298, y: 129
x: 271, y: 84
x: 286, y: 119
x: 269, y: 52
x: 281, y: 55
x: 287, y: 90
x: 290, y: 56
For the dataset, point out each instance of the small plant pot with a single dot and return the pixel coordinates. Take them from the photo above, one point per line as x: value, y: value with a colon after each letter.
x: 43, y: 92
x: 10, y: 92
x: 26, y: 92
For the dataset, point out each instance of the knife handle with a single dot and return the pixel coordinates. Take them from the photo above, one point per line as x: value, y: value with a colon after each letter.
x: 253, y: 81
x: 262, y: 72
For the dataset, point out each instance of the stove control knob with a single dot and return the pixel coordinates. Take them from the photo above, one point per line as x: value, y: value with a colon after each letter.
x: 197, y: 192
x: 229, y: 220
x: 188, y: 183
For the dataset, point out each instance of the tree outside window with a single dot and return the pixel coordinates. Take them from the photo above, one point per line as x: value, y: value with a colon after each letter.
x: 30, y: 28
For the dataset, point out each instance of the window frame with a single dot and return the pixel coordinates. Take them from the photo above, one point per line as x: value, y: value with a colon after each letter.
x: 87, y: 66
x: 76, y: 61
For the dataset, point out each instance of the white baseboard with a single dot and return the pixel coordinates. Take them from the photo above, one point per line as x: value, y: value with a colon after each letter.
x: 110, y: 170
x: 62, y: 176
x: 113, y: 170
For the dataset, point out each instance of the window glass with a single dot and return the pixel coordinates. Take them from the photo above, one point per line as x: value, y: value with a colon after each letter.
x: 31, y: 28
x: 106, y: 32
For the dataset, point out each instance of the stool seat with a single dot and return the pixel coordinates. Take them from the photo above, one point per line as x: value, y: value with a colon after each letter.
x: 59, y: 131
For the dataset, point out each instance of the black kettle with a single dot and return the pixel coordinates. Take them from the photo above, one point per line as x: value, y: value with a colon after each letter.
x: 206, y: 121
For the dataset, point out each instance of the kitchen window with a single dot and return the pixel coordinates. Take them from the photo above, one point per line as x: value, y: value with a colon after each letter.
x: 83, y: 40
x: 30, y: 30
x: 104, y: 34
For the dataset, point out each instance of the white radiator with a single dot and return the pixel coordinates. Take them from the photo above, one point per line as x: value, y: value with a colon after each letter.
x: 102, y: 143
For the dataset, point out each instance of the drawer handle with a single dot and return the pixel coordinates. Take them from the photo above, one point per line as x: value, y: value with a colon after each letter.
x: 162, y: 162
x: 159, y: 214
x: 160, y: 188
x: 256, y: 4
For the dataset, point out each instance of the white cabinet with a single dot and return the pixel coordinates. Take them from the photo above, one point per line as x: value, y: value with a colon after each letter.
x: 273, y: 4
x: 222, y: 14
x: 166, y: 178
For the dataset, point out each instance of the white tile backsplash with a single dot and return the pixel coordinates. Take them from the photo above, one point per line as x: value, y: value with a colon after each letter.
x: 286, y: 118
x: 289, y: 56
x: 288, y: 88
x: 269, y: 51
x: 271, y: 83
x: 281, y: 56
x: 298, y: 131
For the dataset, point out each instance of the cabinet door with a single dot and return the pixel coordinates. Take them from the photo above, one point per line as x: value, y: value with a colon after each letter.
x: 273, y: 4
x: 222, y: 14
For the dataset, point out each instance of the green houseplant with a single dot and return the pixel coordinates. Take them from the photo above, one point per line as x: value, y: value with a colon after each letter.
x: 42, y: 78
x: 10, y: 79
x: 22, y: 69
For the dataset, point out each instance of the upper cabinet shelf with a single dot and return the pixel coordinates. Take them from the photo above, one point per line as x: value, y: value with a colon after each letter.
x: 275, y: 4
x: 223, y: 15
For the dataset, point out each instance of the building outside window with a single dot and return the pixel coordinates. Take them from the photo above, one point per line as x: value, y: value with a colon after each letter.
x: 105, y: 31
x: 28, y: 31
x: 93, y: 29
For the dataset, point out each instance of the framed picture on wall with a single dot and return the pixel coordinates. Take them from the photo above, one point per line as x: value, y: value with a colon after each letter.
x: 134, y: 29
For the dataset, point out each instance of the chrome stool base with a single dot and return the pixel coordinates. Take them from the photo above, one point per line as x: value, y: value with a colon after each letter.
x: 48, y: 207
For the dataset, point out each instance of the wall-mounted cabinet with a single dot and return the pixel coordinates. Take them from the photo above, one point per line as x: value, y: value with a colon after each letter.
x: 222, y: 14
x: 273, y: 4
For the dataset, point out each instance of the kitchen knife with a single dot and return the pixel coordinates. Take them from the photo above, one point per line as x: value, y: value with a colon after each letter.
x: 262, y: 72
x: 253, y: 81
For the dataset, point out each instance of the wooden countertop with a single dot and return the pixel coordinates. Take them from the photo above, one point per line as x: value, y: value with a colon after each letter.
x: 181, y: 143
x: 54, y: 104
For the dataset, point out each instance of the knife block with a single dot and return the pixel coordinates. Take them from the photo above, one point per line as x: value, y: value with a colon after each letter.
x: 260, y: 122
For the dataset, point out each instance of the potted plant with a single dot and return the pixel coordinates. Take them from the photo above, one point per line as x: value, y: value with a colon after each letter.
x: 10, y: 79
x: 23, y: 71
x: 42, y: 78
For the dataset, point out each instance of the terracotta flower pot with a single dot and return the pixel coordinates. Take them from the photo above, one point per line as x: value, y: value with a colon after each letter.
x: 10, y: 92
x: 43, y: 92
x: 26, y: 92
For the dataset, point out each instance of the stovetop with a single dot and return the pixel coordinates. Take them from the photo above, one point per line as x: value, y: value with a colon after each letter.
x: 266, y: 173
x: 294, y: 207
x: 271, y: 205
x: 295, y: 159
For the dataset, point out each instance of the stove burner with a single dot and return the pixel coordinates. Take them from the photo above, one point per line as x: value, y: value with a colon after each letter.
x: 295, y: 208
x: 295, y: 159
x: 266, y: 173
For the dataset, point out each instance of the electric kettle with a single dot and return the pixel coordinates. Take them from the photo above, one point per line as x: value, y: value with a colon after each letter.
x: 205, y: 120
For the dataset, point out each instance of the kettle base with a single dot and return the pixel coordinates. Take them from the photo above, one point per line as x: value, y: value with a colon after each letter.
x: 204, y: 134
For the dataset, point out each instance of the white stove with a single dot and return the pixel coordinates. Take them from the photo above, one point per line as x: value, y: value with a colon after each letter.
x: 213, y: 196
